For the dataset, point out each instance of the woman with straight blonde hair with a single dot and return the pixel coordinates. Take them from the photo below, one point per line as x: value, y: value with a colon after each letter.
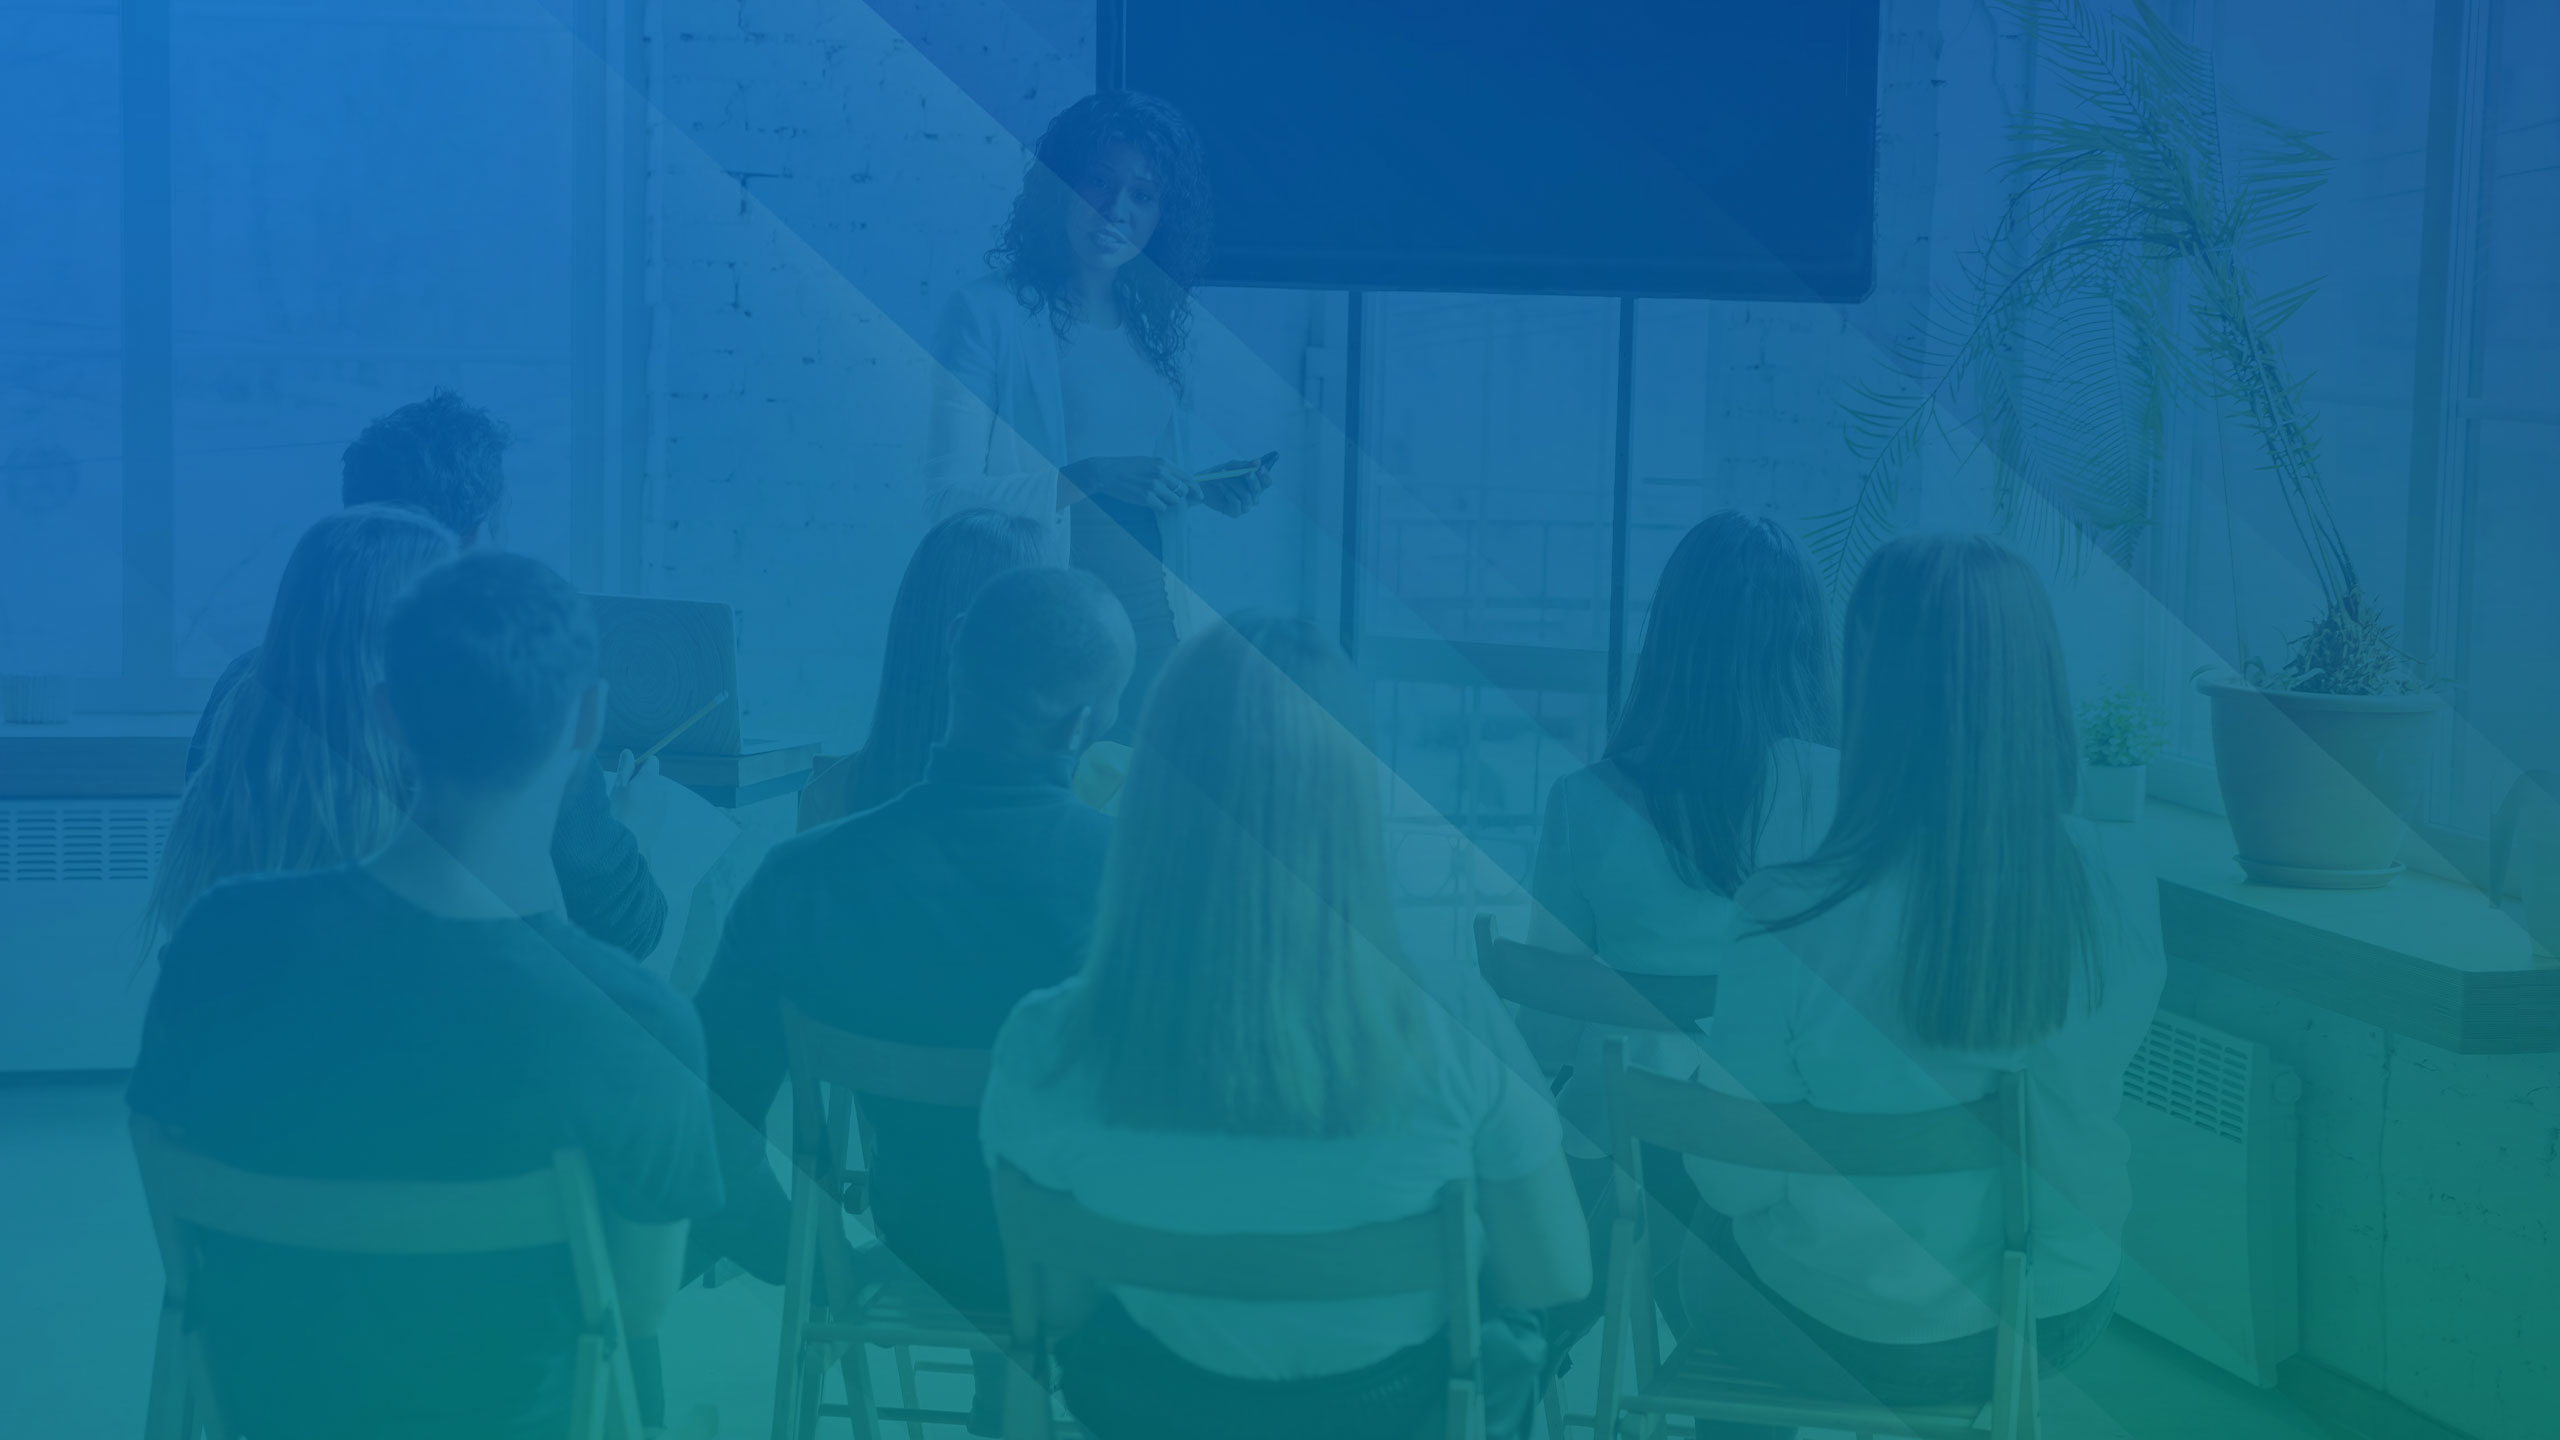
x: 1248, y: 1051
x: 1959, y: 924
x: 298, y: 773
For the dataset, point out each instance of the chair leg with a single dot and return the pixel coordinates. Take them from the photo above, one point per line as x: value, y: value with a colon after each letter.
x: 622, y: 1397
x: 1465, y: 1419
x: 1620, y: 1326
x: 855, y: 1365
x: 172, y: 1404
x: 1026, y: 1399
x: 813, y: 1394
x: 204, y: 1412
x: 590, y: 1397
x: 906, y: 1358
x: 800, y: 1258
x: 786, y: 1382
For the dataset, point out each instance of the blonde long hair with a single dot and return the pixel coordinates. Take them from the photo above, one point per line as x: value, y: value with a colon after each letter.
x: 297, y: 774
x: 1959, y: 760
x: 1245, y: 976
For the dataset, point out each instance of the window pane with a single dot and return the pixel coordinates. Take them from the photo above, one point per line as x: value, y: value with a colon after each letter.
x: 61, y: 311
x: 2511, y: 663
x: 1487, y: 524
x: 2360, y: 82
x: 1489, y: 475
x: 1472, y: 766
x: 2519, y: 275
x: 368, y: 206
x: 1671, y: 484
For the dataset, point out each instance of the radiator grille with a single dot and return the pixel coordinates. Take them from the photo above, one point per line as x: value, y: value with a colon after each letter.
x: 55, y: 841
x: 2193, y: 1074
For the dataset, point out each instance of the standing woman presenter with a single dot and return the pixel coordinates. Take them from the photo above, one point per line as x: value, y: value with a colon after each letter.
x: 1061, y: 390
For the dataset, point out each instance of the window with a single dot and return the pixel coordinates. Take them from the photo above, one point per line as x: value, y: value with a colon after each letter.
x: 1491, y: 542
x: 355, y: 204
x: 61, y: 318
x: 364, y: 208
x: 2437, y: 218
x: 2502, y: 407
x: 1483, y: 577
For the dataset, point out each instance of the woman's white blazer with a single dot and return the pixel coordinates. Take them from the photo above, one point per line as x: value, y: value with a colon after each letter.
x: 998, y: 428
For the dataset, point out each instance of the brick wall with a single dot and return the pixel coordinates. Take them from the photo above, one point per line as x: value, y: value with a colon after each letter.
x: 820, y: 180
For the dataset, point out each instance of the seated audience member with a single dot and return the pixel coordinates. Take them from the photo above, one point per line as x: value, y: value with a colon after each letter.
x: 1247, y: 1051
x: 923, y: 920
x: 443, y: 457
x: 1715, y: 768
x: 427, y: 1014
x: 302, y: 775
x: 1959, y: 924
x: 953, y: 560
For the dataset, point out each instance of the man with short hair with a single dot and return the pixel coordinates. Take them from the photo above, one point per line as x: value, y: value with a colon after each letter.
x: 923, y: 921
x: 427, y: 1014
x: 445, y: 456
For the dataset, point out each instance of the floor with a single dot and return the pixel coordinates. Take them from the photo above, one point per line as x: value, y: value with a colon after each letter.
x: 83, y: 1285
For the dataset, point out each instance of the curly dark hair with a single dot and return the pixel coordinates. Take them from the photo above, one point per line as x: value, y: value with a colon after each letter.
x: 1155, y: 291
x: 443, y: 455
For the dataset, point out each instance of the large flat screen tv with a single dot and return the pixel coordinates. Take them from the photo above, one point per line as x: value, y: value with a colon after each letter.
x: 1709, y: 148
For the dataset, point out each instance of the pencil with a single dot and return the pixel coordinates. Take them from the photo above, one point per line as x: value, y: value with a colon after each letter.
x: 695, y: 719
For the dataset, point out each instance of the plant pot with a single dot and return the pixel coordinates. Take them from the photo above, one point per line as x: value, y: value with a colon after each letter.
x: 2318, y: 787
x: 2113, y: 792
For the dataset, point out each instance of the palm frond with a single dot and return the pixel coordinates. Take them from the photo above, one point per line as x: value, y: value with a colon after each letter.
x: 2113, y: 286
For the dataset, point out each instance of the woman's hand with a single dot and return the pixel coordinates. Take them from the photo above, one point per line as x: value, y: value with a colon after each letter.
x: 1233, y: 494
x: 1131, y: 480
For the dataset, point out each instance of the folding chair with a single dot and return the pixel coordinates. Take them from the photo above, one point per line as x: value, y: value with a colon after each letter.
x: 1059, y: 1256
x: 190, y: 1194
x: 1688, y: 1117
x: 829, y: 1069
x: 1587, y: 988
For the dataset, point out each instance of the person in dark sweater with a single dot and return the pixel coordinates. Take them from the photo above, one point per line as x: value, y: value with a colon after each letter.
x: 427, y: 1014
x: 922, y: 921
x: 444, y: 456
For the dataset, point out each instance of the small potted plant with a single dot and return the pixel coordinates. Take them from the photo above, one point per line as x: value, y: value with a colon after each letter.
x: 2119, y: 733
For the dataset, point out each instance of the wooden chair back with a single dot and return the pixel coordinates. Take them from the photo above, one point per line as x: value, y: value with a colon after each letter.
x: 191, y: 1194
x: 1059, y: 1255
x: 831, y: 1068
x: 918, y: 1074
x: 1693, y: 1119
x: 1587, y: 988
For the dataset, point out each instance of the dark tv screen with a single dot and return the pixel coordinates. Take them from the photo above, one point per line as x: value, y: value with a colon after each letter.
x: 1707, y: 148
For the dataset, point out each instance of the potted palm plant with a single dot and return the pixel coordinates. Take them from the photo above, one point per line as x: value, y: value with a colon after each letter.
x: 2119, y: 733
x: 2116, y: 285
x: 2321, y: 763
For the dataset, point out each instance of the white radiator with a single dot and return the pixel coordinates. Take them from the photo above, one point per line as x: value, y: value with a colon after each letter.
x: 74, y: 960
x: 2211, y: 1250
